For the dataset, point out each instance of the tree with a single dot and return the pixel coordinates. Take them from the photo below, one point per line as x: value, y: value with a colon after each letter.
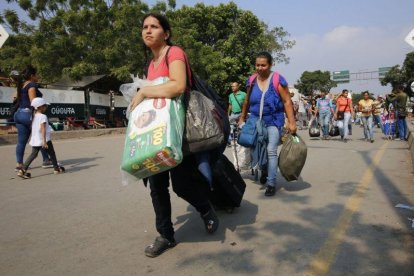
x: 222, y: 41
x: 79, y: 37
x: 401, y: 76
x: 311, y: 81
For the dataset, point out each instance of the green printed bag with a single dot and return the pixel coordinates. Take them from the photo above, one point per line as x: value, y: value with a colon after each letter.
x: 153, y: 141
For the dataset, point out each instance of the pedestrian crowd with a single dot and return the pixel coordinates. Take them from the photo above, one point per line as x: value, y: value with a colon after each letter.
x: 266, y: 105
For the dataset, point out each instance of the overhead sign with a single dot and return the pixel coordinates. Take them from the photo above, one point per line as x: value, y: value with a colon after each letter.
x: 341, y: 76
x: 410, y: 38
x: 3, y: 35
x: 382, y: 71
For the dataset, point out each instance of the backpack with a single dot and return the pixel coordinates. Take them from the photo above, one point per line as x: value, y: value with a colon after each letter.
x: 219, y: 114
x: 275, y: 80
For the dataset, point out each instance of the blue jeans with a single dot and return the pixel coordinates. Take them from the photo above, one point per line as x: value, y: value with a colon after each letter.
x: 272, y: 159
x: 23, y: 119
x: 402, y: 127
x: 378, y: 121
x: 343, y: 125
x: 324, y: 119
x: 368, y: 127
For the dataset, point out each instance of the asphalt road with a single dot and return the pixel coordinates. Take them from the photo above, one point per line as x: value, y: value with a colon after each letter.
x: 339, y: 219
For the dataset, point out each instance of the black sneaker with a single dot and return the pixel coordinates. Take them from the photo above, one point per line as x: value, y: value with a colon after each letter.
x: 263, y: 177
x: 47, y: 164
x: 211, y: 221
x: 270, y: 191
x: 159, y: 246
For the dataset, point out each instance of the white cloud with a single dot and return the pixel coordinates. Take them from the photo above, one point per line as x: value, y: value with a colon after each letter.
x: 357, y: 49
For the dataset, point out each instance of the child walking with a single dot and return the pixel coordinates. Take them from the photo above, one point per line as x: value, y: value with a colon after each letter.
x: 40, y: 138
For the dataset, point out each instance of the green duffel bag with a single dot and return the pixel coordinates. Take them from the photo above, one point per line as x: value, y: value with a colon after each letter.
x: 292, y: 157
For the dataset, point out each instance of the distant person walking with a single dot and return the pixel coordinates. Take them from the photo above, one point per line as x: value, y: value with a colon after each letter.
x: 399, y: 99
x: 26, y: 91
x: 236, y: 100
x: 378, y: 112
x: 40, y: 138
x: 325, y: 109
x: 366, y: 106
x: 343, y: 114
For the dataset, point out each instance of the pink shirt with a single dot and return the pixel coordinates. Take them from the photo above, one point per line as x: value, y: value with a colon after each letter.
x: 175, y: 53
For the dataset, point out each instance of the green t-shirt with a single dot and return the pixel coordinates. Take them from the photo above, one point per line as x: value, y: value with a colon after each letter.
x: 236, y: 101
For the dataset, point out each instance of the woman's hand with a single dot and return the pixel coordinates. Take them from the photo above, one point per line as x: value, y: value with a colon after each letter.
x: 139, y: 97
x: 292, y: 127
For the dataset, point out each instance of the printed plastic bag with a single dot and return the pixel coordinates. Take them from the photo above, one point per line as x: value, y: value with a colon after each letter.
x: 292, y: 157
x: 153, y: 141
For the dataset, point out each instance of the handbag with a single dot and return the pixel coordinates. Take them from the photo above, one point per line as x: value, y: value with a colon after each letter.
x: 341, y: 114
x: 334, y: 131
x: 248, y: 134
x: 314, y: 130
x: 204, y: 128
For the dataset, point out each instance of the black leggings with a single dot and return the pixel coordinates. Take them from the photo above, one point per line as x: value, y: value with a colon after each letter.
x: 35, y: 152
x: 184, y: 186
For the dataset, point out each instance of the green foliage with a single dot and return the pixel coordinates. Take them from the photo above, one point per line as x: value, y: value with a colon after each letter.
x: 76, y: 38
x: 313, y: 81
x: 401, y: 76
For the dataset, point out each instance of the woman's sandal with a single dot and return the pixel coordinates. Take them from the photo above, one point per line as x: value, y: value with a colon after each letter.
x: 211, y: 221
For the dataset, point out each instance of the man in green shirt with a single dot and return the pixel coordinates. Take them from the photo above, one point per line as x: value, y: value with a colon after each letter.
x: 236, y: 100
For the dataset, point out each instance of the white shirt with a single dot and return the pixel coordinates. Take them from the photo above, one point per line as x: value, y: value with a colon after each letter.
x: 37, y: 140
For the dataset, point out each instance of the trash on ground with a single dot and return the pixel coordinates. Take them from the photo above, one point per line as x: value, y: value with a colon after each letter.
x: 403, y: 206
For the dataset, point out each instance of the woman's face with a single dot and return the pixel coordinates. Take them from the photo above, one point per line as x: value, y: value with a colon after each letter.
x: 345, y: 94
x: 262, y: 66
x: 152, y: 33
x: 366, y: 96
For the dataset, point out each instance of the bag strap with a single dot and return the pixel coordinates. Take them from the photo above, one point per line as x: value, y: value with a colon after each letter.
x: 275, y: 80
x: 263, y: 95
x: 236, y: 100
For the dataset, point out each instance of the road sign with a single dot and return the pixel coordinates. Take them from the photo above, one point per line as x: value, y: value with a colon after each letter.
x: 412, y: 86
x: 410, y: 38
x: 341, y: 76
x: 382, y: 71
x: 3, y: 35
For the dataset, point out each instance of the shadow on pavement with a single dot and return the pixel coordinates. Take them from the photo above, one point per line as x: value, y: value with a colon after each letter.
x: 77, y: 164
x: 193, y: 230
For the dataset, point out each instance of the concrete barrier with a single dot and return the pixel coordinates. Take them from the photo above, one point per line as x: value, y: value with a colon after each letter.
x: 11, y: 139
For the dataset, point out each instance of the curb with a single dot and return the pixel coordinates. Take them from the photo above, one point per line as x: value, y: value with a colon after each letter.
x: 11, y: 139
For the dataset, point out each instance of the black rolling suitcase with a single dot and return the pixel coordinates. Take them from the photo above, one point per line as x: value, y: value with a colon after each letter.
x: 228, y: 185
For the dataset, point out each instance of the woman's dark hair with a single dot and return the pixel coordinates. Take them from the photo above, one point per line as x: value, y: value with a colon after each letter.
x: 365, y: 92
x: 164, y: 24
x: 19, y: 79
x: 28, y: 72
x: 265, y: 55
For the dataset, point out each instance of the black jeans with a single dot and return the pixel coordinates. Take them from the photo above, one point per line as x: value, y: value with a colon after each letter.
x: 184, y: 186
x: 35, y: 152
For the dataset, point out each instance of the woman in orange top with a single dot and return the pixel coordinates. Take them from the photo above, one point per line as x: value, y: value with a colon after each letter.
x: 343, y: 113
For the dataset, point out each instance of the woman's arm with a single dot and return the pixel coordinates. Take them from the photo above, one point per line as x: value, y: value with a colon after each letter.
x: 287, y: 102
x: 173, y: 88
x: 32, y: 93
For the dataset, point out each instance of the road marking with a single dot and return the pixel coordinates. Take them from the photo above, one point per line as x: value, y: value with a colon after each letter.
x: 322, y: 262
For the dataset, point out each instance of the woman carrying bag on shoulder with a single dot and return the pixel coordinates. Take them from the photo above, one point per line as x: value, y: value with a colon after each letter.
x: 276, y: 102
x: 156, y: 34
x: 344, y: 112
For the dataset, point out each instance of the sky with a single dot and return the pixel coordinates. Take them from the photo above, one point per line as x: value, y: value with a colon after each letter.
x: 354, y: 35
